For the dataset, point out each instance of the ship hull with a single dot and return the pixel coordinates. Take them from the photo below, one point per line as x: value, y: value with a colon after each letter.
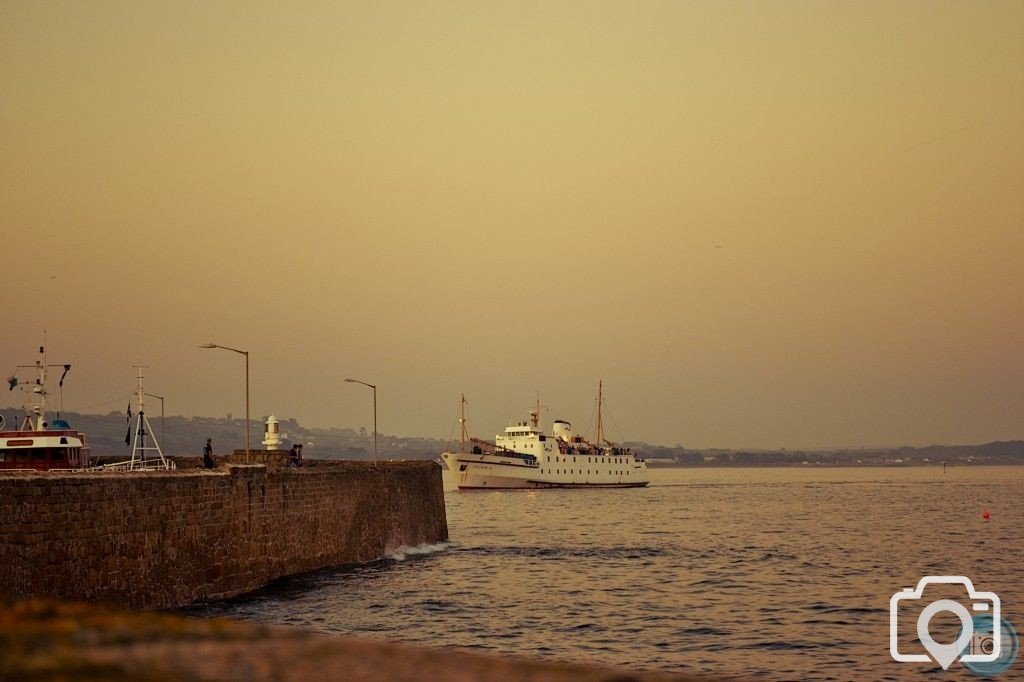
x: 534, y: 485
x: 495, y: 472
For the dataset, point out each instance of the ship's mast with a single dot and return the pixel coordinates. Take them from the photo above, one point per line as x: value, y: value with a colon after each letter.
x: 35, y: 396
x: 535, y: 413
x: 40, y: 388
x: 600, y: 422
x: 462, y: 420
x: 37, y: 404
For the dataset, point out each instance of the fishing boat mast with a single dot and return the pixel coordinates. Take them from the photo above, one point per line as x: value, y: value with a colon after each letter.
x: 36, y: 402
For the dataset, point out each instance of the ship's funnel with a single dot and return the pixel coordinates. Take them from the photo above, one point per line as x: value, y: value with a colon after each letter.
x: 562, y: 430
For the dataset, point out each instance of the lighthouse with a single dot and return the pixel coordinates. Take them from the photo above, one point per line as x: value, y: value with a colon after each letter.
x: 271, y: 434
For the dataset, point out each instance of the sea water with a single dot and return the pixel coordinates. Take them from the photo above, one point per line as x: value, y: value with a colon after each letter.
x: 776, y: 573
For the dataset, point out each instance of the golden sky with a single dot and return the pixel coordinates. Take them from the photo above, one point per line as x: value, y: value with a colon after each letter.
x: 763, y: 224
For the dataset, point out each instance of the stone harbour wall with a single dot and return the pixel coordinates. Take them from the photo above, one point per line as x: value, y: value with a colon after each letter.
x: 272, y: 458
x: 165, y: 539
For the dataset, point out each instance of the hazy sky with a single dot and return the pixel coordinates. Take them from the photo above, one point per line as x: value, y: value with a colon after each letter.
x: 763, y: 224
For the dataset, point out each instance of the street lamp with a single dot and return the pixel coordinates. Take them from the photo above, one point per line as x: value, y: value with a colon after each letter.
x: 357, y: 381
x: 161, y: 399
x: 246, y: 354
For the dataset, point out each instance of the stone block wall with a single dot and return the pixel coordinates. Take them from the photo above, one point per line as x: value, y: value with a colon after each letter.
x: 158, y: 540
x: 272, y: 458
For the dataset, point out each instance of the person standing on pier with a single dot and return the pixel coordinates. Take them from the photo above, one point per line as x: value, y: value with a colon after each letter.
x: 208, y: 454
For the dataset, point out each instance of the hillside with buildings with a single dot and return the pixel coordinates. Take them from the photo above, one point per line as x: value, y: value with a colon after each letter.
x: 184, y: 436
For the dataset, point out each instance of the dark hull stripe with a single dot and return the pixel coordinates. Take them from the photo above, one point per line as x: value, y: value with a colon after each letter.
x: 546, y: 484
x: 540, y: 484
x: 504, y: 464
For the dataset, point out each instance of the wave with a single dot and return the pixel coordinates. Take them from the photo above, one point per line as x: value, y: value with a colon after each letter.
x: 404, y: 551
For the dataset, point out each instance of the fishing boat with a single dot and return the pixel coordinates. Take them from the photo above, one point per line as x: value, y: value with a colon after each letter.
x: 37, y: 444
x: 525, y: 457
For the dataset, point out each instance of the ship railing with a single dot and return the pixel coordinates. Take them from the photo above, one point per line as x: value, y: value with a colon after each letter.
x: 145, y: 465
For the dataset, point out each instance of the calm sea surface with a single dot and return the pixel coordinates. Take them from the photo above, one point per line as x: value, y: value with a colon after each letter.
x: 773, y: 573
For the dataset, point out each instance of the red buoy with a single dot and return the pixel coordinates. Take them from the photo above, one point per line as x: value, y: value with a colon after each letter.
x: 985, y: 515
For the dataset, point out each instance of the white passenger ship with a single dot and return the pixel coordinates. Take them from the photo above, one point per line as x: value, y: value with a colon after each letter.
x: 525, y: 457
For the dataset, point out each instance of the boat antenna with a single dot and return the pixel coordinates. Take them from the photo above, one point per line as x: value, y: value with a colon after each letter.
x: 600, y: 422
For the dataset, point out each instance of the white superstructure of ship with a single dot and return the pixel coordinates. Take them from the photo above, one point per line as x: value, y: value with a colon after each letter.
x: 525, y: 457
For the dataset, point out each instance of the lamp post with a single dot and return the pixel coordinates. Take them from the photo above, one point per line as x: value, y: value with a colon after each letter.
x: 161, y: 399
x: 246, y: 354
x: 374, y: 388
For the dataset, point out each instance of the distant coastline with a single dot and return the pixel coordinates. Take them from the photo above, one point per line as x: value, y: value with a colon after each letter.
x: 835, y: 465
x: 1002, y: 453
x: 184, y: 436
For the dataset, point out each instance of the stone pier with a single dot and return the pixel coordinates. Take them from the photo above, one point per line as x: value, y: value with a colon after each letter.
x: 165, y: 539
